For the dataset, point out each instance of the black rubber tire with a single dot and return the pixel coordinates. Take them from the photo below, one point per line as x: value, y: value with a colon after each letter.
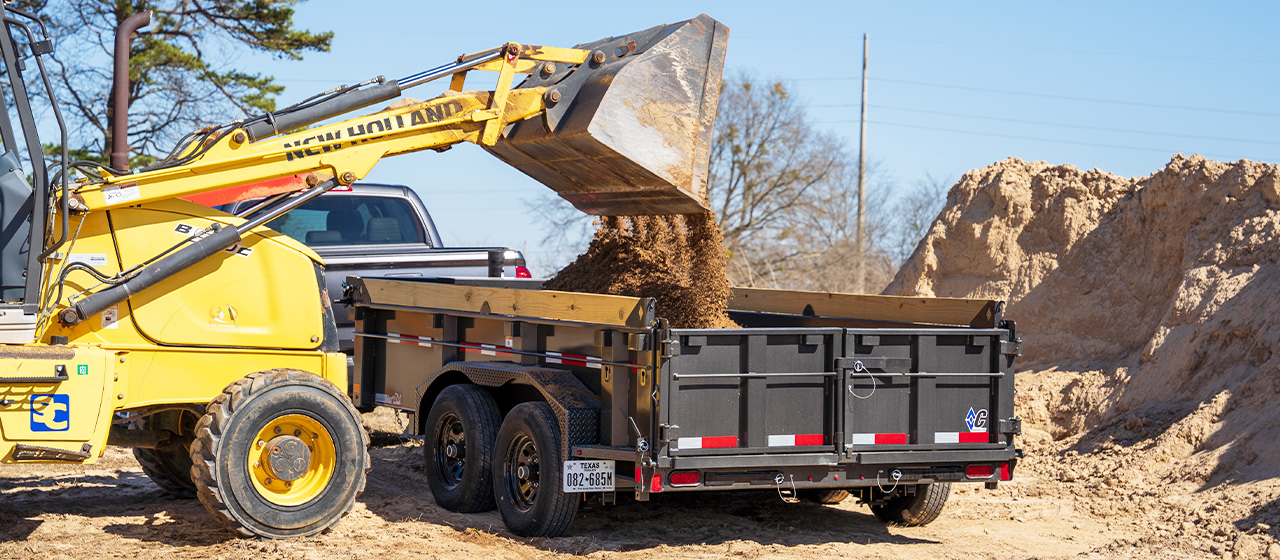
x: 169, y: 467
x: 824, y: 496
x: 915, y: 511
x: 467, y: 416
x: 538, y: 506
x: 226, y: 434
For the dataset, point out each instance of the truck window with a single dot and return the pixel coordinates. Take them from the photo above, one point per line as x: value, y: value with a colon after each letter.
x: 351, y: 220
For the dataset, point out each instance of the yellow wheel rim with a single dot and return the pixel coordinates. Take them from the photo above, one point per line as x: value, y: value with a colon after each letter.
x: 282, y: 471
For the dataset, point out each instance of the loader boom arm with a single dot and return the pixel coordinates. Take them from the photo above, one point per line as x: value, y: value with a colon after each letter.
x: 349, y: 149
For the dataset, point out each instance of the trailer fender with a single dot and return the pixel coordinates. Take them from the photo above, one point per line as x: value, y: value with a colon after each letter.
x: 576, y: 408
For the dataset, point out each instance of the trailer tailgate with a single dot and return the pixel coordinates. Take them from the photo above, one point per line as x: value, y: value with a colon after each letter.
x: 904, y: 396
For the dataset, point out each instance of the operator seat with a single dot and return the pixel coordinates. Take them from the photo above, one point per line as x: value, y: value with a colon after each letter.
x: 16, y: 202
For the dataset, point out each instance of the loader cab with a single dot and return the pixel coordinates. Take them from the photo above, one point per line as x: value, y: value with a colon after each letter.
x: 24, y: 177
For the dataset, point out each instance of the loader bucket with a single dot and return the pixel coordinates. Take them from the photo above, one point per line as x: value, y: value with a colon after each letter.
x: 630, y: 135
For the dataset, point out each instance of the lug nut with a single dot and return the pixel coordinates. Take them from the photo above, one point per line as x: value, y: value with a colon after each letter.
x: 267, y: 482
x: 261, y: 444
x: 257, y: 464
x: 297, y: 433
x: 278, y: 430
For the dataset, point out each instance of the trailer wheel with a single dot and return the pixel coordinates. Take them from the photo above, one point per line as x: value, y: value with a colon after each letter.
x: 280, y: 453
x: 170, y: 467
x: 914, y: 511
x: 527, y: 473
x: 825, y: 496
x: 464, y: 423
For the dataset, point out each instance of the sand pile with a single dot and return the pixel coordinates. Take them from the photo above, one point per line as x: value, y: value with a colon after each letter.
x: 676, y: 259
x: 1150, y: 313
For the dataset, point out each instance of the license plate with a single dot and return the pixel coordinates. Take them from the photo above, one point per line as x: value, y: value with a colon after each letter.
x: 588, y: 476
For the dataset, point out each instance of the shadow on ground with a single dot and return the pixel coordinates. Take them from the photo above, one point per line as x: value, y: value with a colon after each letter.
x: 398, y: 492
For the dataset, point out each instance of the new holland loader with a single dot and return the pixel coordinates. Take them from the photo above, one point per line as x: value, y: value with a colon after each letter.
x: 132, y: 316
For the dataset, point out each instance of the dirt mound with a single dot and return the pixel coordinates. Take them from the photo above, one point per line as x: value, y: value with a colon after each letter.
x: 1149, y: 311
x: 676, y: 259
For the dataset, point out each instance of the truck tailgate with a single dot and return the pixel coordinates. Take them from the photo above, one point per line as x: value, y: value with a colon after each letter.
x: 864, y: 395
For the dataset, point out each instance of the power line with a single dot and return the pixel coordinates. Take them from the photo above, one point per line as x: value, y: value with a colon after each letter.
x: 1063, y: 97
x: 1034, y: 139
x: 1024, y: 47
x: 1078, y: 126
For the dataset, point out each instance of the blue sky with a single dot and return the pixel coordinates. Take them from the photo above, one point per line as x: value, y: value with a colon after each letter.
x: 954, y: 85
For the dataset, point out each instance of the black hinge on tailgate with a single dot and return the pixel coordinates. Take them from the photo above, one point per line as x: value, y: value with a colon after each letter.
x: 1011, y: 426
x: 1013, y: 346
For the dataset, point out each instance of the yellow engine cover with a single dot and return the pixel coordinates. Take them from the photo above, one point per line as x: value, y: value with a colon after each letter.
x: 267, y: 294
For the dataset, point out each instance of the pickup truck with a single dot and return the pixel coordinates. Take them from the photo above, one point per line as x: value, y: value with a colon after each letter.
x: 529, y: 399
x: 381, y: 230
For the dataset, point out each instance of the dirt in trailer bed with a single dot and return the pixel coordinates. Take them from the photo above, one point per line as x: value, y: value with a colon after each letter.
x: 677, y: 259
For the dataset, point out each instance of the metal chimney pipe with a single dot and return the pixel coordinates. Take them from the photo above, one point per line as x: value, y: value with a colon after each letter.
x: 120, y: 90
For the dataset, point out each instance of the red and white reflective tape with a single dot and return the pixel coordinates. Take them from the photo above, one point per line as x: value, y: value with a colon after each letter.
x: 573, y: 360
x: 795, y: 440
x: 706, y: 442
x: 485, y: 349
x: 961, y: 437
x: 410, y: 339
x: 877, y: 439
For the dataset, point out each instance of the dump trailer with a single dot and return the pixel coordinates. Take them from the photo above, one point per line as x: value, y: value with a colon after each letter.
x: 133, y: 316
x: 533, y: 400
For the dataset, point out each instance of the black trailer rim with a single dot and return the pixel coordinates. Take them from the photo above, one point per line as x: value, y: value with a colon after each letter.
x: 521, y: 472
x: 450, y: 450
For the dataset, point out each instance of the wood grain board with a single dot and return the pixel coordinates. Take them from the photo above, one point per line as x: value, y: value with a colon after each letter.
x: 599, y: 309
x: 935, y: 311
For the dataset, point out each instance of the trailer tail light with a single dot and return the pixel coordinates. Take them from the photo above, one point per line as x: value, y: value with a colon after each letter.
x: 656, y: 482
x: 684, y: 478
x: 522, y: 271
x: 1005, y: 472
x: 979, y: 471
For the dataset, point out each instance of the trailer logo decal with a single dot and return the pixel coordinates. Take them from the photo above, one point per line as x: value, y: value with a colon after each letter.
x: 976, y: 421
x: 50, y: 413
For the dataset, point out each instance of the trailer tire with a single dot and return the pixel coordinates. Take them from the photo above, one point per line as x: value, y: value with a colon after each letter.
x: 914, y: 511
x: 463, y: 425
x: 824, y: 496
x: 527, y: 473
x: 169, y: 467
x: 317, y: 443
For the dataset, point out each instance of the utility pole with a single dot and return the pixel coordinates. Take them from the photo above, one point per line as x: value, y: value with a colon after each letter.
x: 862, y: 180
